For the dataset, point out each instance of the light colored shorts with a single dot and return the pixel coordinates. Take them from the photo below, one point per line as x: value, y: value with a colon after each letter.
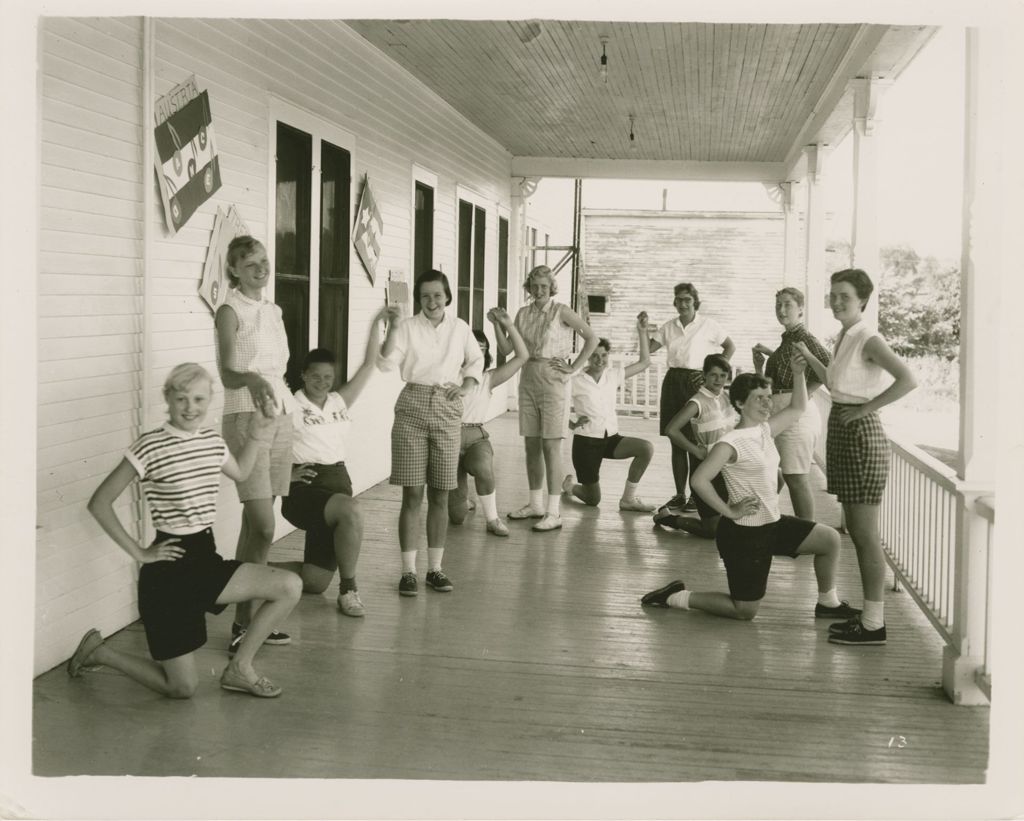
x: 272, y: 474
x: 425, y: 438
x: 796, y: 443
x: 544, y: 397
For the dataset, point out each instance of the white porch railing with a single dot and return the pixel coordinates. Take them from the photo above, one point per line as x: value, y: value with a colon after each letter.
x: 937, y: 533
x: 639, y: 394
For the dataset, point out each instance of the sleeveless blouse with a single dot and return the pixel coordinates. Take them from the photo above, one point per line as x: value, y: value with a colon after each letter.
x: 542, y: 329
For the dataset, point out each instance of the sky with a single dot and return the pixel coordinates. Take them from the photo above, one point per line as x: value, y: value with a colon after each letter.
x: 919, y: 138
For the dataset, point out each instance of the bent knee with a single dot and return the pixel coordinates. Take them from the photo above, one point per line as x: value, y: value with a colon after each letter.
x: 746, y: 610
x: 182, y: 689
x: 290, y: 585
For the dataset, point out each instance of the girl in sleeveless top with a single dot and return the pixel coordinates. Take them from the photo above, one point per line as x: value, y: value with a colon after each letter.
x: 864, y: 375
x: 752, y: 530
x: 547, y: 327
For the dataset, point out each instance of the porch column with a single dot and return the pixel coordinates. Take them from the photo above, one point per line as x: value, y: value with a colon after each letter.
x: 814, y: 239
x: 522, y: 190
x: 980, y: 269
x: 792, y: 269
x: 865, y: 186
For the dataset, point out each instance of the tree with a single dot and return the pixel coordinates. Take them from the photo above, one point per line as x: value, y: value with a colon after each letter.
x: 919, y: 304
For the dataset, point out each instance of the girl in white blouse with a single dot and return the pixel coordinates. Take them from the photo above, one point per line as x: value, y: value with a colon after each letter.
x: 864, y: 375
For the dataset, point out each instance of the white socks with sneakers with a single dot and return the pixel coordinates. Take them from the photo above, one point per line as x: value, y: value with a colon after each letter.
x: 408, y: 561
x: 537, y: 500
x: 490, y: 505
x: 629, y: 494
x: 873, y: 617
x: 680, y: 600
x: 829, y: 598
x: 434, y: 556
x: 554, y: 504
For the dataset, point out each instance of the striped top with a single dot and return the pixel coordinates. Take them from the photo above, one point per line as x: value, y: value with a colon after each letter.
x: 180, y: 476
x: 754, y: 473
x: 543, y: 331
x: 851, y: 378
x: 715, y: 416
x: 261, y: 346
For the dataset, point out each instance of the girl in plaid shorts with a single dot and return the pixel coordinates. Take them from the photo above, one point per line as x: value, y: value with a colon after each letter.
x: 440, y: 361
x: 864, y: 375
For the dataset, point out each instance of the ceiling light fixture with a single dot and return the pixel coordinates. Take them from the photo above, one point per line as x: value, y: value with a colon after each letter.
x: 603, y: 66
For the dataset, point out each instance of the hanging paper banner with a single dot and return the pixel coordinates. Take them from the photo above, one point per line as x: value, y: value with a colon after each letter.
x: 368, y: 230
x: 226, y: 227
x: 187, y: 166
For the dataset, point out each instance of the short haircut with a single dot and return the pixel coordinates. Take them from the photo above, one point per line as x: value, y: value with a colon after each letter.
x: 795, y: 293
x: 485, y: 343
x: 687, y: 288
x: 182, y: 376
x: 604, y: 343
x: 860, y: 281
x: 541, y: 271
x: 431, y: 276
x: 717, y: 360
x: 317, y: 356
x: 238, y: 248
x: 742, y: 386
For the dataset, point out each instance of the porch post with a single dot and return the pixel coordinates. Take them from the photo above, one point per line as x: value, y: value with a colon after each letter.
x: 814, y: 248
x: 865, y: 186
x: 522, y: 189
x: 792, y: 274
x: 979, y: 300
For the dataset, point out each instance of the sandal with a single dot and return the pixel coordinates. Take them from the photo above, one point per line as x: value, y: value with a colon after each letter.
x: 261, y: 688
x: 88, y: 645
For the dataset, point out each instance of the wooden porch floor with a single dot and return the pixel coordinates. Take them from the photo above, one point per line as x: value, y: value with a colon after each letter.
x: 541, y: 666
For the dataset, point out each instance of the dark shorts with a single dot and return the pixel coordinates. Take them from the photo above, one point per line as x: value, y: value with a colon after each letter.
x: 304, y: 507
x: 587, y: 454
x: 174, y: 597
x: 857, y: 458
x: 718, y: 483
x: 747, y: 552
x: 676, y: 389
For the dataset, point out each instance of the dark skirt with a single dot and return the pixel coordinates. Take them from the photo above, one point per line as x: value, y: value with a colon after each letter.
x: 676, y: 389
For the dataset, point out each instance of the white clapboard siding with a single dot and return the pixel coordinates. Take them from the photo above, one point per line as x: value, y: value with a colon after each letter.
x: 94, y: 323
x: 89, y: 320
x: 735, y: 260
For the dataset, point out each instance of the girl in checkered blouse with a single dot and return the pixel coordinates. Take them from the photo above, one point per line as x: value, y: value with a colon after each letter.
x: 752, y: 530
x: 864, y: 375
x: 440, y: 361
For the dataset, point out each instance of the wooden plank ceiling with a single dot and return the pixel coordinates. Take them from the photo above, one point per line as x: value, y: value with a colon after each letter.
x: 698, y: 92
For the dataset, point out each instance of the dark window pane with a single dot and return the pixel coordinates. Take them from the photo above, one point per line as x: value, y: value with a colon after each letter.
x: 465, y: 257
x: 479, y: 259
x: 597, y: 304
x: 423, y: 240
x: 502, y: 271
x: 294, y: 166
x: 335, y: 222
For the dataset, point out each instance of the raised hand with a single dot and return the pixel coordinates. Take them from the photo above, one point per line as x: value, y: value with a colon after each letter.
x: 798, y: 362
x: 499, y: 316
x: 641, y: 321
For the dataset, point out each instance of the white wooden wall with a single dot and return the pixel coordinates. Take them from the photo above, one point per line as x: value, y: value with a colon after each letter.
x: 91, y: 318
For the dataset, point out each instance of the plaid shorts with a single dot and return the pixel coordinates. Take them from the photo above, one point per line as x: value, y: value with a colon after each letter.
x: 425, y: 438
x: 857, y: 458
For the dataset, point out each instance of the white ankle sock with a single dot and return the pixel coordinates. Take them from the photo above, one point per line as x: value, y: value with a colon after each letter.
x: 434, y: 556
x: 829, y: 598
x: 630, y: 492
x: 680, y: 600
x: 537, y: 500
x: 490, y: 505
x: 408, y: 561
x: 873, y: 617
x: 554, y: 504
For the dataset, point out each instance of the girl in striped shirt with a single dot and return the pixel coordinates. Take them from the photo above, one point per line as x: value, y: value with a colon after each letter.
x: 752, y: 530
x: 182, y: 576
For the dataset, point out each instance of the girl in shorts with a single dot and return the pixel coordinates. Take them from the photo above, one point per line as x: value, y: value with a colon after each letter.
x: 182, y: 576
x: 320, y: 498
x: 597, y: 428
x: 476, y: 456
x: 252, y: 355
x: 440, y: 361
x: 751, y: 530
x: 864, y: 375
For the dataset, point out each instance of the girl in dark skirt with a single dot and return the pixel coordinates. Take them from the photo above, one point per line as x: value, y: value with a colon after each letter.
x: 182, y: 576
x: 864, y: 375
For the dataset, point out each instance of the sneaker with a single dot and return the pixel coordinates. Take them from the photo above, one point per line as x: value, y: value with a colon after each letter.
x: 853, y: 632
x: 690, y: 506
x: 407, y: 585
x: 659, y: 597
x: 840, y: 626
x: 237, y: 631
x: 568, y: 483
x: 439, y: 581
x: 350, y: 604
x: 497, y: 527
x: 675, y: 504
x: 548, y: 522
x: 525, y: 512
x: 842, y: 611
x: 636, y: 505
